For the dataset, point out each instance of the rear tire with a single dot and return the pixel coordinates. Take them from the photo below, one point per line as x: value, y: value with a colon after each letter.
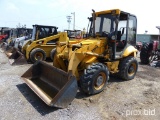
x: 145, y: 53
x: 94, y: 79
x: 37, y: 54
x: 53, y: 52
x: 128, y: 68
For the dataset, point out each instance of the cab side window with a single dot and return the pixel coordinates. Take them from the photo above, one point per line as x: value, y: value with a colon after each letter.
x: 132, y: 30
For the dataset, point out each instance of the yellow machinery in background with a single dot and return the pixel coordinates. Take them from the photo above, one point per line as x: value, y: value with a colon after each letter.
x: 12, y: 34
x: 107, y: 49
x: 44, y: 39
x: 41, y: 46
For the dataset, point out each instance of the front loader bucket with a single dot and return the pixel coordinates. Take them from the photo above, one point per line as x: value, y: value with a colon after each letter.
x: 16, y: 57
x: 10, y: 51
x: 6, y: 47
x: 54, y: 86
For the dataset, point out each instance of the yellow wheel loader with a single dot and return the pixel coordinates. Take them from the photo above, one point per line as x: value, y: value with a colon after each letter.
x: 107, y: 49
x: 40, y: 46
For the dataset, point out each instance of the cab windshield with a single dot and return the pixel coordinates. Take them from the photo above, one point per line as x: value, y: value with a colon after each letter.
x: 103, y: 23
x: 73, y: 33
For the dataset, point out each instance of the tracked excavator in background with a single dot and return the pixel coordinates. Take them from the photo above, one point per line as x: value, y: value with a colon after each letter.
x: 108, y: 49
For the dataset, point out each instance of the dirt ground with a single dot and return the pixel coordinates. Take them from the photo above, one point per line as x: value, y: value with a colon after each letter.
x: 137, y: 99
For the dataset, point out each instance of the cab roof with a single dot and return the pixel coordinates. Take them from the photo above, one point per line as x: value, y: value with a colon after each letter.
x: 112, y: 11
x: 45, y: 26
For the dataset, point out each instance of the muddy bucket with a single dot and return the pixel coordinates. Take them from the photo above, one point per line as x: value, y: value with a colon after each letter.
x: 5, y: 47
x: 10, y: 51
x: 9, y: 48
x: 16, y: 58
x: 54, y: 86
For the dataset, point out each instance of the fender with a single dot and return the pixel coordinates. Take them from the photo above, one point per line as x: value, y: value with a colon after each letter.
x: 130, y: 50
x: 91, y: 59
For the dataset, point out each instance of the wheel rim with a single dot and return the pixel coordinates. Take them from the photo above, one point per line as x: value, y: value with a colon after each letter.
x: 132, y: 69
x: 38, y: 56
x: 100, y: 81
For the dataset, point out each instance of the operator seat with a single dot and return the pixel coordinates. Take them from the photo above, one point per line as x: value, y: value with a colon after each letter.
x: 120, y: 43
x: 41, y: 34
x: 119, y: 36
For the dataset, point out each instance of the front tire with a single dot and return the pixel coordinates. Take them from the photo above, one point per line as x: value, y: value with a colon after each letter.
x: 94, y: 79
x: 128, y: 68
x: 53, y: 52
x: 37, y: 54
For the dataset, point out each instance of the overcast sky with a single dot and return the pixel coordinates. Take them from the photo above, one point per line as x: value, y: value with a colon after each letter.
x: 54, y: 12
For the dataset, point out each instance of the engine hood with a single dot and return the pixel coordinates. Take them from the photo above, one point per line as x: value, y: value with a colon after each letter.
x: 20, y: 39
